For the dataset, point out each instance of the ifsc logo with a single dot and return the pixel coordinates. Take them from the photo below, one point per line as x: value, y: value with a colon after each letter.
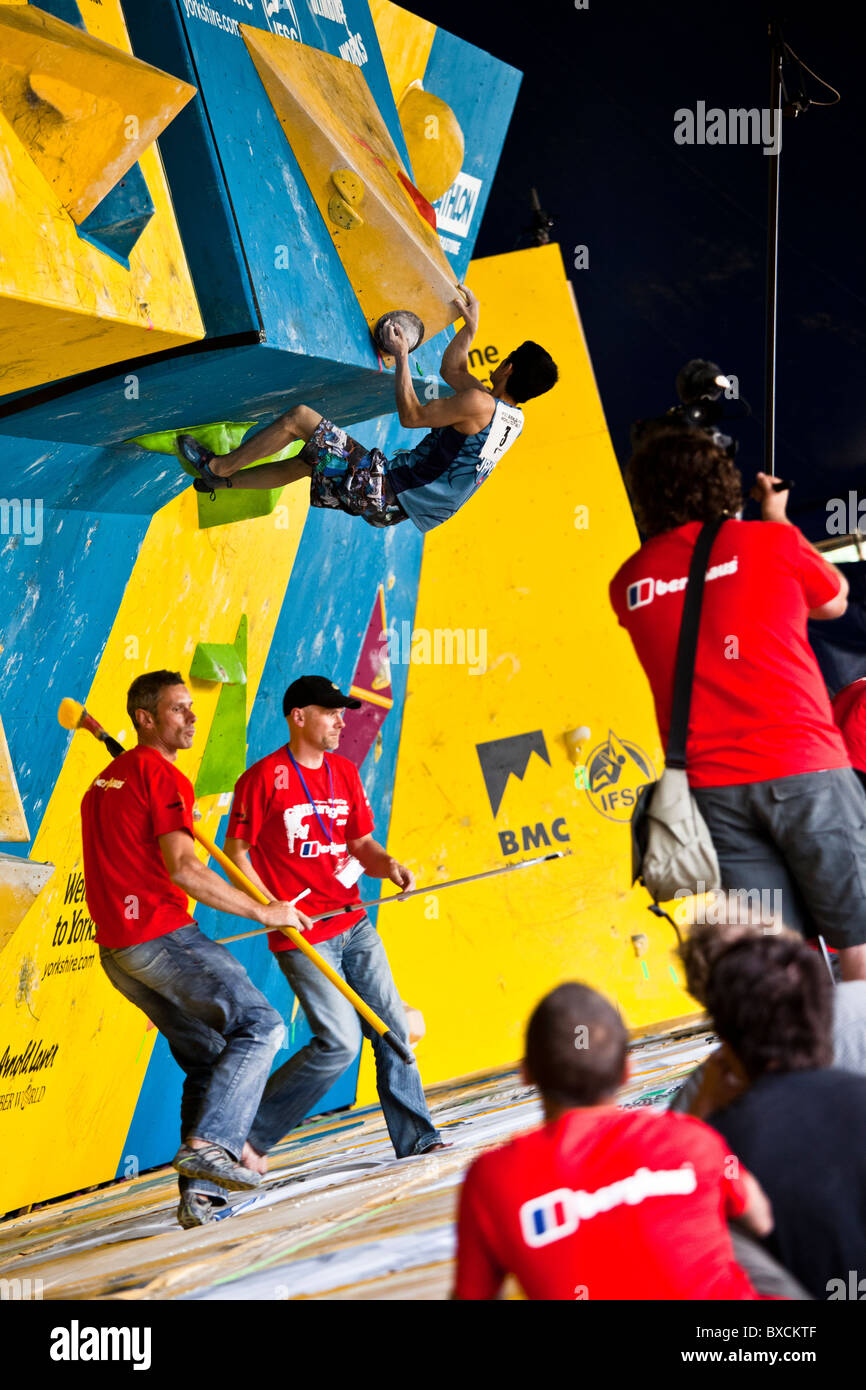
x: 616, y: 771
x: 281, y: 18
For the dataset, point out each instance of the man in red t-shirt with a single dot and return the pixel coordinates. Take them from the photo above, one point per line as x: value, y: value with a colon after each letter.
x: 139, y: 867
x: 849, y: 711
x: 602, y: 1203
x: 300, y: 821
x: 765, y: 760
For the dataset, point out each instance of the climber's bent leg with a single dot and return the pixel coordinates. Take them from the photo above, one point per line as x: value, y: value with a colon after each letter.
x: 268, y: 475
x: 298, y: 423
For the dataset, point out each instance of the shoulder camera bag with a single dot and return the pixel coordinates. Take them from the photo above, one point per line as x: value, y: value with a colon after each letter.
x: 672, y: 851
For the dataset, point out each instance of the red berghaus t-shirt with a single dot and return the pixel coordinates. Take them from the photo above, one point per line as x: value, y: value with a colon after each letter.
x: 849, y: 711
x: 604, y: 1203
x: 760, y: 708
x: 290, y: 849
x: 130, y: 896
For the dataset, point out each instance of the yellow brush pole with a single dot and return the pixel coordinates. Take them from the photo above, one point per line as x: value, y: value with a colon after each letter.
x: 240, y: 880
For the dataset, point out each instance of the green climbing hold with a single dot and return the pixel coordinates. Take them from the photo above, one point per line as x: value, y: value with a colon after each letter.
x: 224, y: 757
x: 227, y: 504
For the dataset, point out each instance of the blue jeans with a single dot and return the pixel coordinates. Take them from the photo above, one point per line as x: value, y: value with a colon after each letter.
x: 292, y: 1091
x: 221, y: 1030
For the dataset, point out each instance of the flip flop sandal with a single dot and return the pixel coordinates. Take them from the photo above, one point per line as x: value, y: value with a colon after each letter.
x: 213, y: 1162
x: 198, y: 458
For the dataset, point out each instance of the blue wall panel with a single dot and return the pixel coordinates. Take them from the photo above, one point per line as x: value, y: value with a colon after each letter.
x: 232, y: 383
x: 481, y: 91
x: 58, y: 600
x: 235, y: 180
x: 192, y: 163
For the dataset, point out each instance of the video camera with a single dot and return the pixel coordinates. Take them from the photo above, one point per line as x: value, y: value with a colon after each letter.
x: 699, y: 386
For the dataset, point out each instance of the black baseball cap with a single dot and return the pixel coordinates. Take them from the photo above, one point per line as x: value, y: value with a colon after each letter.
x: 316, y: 690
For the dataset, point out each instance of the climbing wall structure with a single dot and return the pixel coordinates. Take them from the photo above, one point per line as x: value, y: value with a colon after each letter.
x: 206, y: 207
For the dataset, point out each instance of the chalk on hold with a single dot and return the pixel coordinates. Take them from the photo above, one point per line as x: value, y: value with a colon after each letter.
x: 410, y: 323
x: 574, y: 740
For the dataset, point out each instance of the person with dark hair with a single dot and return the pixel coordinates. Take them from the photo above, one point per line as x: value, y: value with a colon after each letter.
x: 800, y: 1124
x: 139, y: 868
x: 714, y: 1083
x: 469, y: 433
x: 766, y: 763
x: 602, y: 1203
x: 300, y: 822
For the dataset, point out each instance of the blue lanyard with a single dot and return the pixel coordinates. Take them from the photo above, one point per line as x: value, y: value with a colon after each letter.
x: 325, y: 831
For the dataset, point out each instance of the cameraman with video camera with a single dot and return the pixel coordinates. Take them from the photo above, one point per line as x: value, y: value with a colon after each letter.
x: 764, y: 758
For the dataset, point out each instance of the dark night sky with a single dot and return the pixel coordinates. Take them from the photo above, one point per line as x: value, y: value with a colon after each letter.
x: 677, y: 234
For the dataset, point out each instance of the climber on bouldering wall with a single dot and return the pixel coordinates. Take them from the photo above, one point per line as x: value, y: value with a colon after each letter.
x: 468, y: 433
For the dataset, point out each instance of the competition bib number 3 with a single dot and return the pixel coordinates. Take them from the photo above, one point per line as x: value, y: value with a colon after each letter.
x: 504, y: 429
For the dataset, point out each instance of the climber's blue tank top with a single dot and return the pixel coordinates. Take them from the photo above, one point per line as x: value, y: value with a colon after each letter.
x: 433, y: 480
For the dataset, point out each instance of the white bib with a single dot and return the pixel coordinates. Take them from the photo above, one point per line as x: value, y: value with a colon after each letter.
x: 505, y: 426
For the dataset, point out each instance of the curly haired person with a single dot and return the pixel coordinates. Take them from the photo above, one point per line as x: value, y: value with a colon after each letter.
x: 764, y: 757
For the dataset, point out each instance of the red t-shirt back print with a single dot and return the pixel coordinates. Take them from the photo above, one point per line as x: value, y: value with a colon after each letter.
x: 604, y: 1204
x: 760, y: 708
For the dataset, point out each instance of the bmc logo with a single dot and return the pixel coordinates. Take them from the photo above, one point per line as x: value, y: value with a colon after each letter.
x: 532, y: 836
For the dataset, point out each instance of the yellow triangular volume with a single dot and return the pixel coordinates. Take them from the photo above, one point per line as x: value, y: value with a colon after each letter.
x: 391, y: 254
x: 13, y: 822
x: 405, y: 40
x: 70, y: 97
x: 21, y: 882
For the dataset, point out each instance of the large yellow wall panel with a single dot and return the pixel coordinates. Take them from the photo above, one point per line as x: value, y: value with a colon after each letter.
x: 71, y: 1098
x: 65, y: 305
x: 524, y: 568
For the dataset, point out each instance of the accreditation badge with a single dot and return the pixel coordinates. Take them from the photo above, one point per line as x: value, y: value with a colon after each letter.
x: 348, y: 870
